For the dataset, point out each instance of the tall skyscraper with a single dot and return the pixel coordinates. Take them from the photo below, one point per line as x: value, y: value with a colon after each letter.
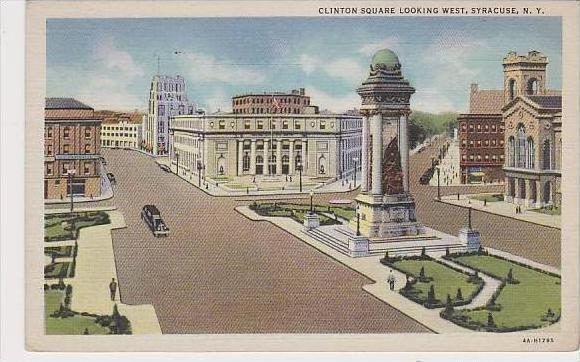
x: 167, y: 98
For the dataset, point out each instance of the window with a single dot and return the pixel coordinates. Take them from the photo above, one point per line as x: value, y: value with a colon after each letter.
x: 464, y: 157
x: 273, y: 124
x: 521, y: 146
x: 260, y: 125
x: 66, y: 133
x: 49, y: 132
x: 161, y: 110
x: 511, y: 151
x: 285, y: 125
x: 222, y: 124
x: 49, y: 150
x: 464, y: 142
x: 87, y: 168
x: 65, y: 149
x: 87, y: 132
x: 49, y: 169
x: 322, y: 124
x: 532, y: 87
x: 297, y: 125
x: 246, y: 162
x: 547, y: 155
x: 512, y: 88
x: 87, y: 148
x: 247, y: 125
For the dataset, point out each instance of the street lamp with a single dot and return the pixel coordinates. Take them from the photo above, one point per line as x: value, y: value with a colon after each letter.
x: 177, y: 162
x: 358, y: 220
x: 70, y: 174
x: 199, y: 168
x: 311, y: 204
x: 438, y: 183
x: 300, y: 171
x: 355, y: 159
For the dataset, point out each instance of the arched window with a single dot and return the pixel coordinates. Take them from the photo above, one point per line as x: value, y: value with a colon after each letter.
x: 246, y: 162
x: 512, y: 88
x: 532, y: 86
x: 531, y: 151
x: 521, y: 146
x: 511, y: 151
x: 547, y: 156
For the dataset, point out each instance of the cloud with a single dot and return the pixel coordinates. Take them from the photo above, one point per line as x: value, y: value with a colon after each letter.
x: 346, y: 69
x: 331, y: 102
x: 206, y: 68
x: 370, y: 49
x: 112, y: 58
x: 218, y: 100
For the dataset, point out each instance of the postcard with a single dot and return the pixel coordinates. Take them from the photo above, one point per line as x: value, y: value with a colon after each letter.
x: 302, y: 176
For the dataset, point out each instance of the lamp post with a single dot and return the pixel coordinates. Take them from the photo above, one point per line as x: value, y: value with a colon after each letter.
x: 177, y: 163
x: 199, y: 168
x: 358, y: 220
x: 438, y: 183
x: 311, y: 204
x: 70, y: 174
x: 300, y: 172
x: 355, y: 159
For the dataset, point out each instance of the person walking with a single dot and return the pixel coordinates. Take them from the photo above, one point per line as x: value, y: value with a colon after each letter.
x: 391, y: 280
x: 113, y: 288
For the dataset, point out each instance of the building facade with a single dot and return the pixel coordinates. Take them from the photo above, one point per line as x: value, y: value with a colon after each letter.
x: 228, y: 145
x: 481, y: 137
x: 167, y: 98
x: 533, y: 135
x: 121, y: 129
x: 71, y: 146
x: 293, y: 102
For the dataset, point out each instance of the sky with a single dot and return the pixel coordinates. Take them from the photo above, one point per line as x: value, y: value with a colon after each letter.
x: 109, y: 63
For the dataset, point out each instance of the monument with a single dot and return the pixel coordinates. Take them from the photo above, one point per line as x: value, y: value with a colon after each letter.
x: 386, y: 207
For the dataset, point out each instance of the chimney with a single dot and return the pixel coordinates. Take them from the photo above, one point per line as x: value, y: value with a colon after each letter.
x: 474, y: 87
x: 302, y: 91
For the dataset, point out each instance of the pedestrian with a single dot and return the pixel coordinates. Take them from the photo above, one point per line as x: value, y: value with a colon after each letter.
x: 286, y: 178
x: 484, y: 202
x: 290, y: 178
x: 247, y: 190
x: 113, y: 288
x: 391, y: 280
x: 254, y: 180
x: 458, y: 196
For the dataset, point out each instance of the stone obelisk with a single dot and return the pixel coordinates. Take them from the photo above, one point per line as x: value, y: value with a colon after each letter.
x: 385, y: 205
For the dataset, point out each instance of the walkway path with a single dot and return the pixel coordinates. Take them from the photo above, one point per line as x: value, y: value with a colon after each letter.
x: 95, y: 267
x: 504, y: 209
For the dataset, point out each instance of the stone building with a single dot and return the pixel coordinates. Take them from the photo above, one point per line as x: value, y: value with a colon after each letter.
x: 121, y: 129
x: 167, y: 98
x: 481, y: 137
x: 533, y: 132
x: 71, y: 145
x: 228, y: 145
x: 293, y: 102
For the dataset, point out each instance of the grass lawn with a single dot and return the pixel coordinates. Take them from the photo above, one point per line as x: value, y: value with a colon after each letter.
x: 60, y: 251
x: 285, y: 210
x: 548, y: 210
x: 445, y: 280
x: 55, y: 230
x: 488, y: 197
x: 70, y: 325
x: 522, y: 304
x: 59, y: 269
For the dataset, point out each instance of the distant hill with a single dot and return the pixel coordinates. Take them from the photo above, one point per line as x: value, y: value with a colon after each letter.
x: 423, y: 125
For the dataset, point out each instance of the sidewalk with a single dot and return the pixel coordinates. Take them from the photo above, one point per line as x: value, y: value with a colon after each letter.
x: 371, y: 268
x: 95, y: 266
x: 503, y: 208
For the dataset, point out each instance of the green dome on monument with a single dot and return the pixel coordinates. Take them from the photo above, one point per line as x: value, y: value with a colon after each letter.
x: 385, y: 57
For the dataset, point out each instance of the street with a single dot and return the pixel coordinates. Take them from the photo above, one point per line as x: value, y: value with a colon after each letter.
x: 219, y: 272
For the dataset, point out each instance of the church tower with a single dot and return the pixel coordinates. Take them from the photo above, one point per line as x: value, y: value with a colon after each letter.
x: 524, y: 74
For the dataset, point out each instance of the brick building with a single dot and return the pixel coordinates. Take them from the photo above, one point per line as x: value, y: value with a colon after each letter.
x: 481, y: 137
x: 294, y: 102
x: 71, y: 144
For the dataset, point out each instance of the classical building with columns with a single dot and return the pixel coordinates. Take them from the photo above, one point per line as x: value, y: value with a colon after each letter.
x: 533, y: 132
x: 385, y: 206
x: 227, y: 145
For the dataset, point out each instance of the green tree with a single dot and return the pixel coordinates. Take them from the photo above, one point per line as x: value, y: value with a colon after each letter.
x: 459, y: 295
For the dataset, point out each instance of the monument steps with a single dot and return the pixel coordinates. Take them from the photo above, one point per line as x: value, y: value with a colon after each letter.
x: 329, y: 240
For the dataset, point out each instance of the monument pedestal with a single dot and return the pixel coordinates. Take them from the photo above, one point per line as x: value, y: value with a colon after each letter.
x: 388, y: 216
x: 358, y: 245
x: 311, y: 221
x: 471, y: 238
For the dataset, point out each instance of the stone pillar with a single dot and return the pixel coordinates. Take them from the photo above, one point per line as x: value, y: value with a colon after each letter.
x: 253, y: 157
x: 517, y: 191
x: 365, y: 156
x: 539, y: 193
x: 404, y: 151
x: 278, y: 157
x: 528, y: 200
x: 266, y: 157
x: 304, y: 156
x: 377, y: 130
x: 240, y: 157
x: 291, y: 166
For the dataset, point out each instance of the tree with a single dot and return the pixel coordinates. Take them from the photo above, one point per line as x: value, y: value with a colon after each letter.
x: 490, y: 321
x: 510, y: 276
x: 448, y: 306
x: 422, y: 272
x: 431, y: 295
x: 459, y: 295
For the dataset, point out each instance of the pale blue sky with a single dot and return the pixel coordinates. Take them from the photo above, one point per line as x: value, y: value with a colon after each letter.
x: 108, y: 63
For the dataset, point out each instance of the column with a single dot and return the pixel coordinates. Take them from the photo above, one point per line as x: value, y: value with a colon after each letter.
x: 278, y: 157
x: 253, y: 157
x: 377, y: 131
x: 528, y: 201
x: 291, y: 156
x: 404, y: 151
x: 304, y: 156
x: 517, y: 191
x: 365, y: 155
x: 266, y: 156
x: 539, y: 193
x: 240, y: 157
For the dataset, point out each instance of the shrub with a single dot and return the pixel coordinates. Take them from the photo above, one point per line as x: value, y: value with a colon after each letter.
x: 104, y: 320
x: 46, y: 287
x: 62, y: 312
x: 459, y: 295
x: 422, y: 272
x: 490, y: 321
x: 448, y: 306
x: 431, y: 295
x: 86, y: 332
x: 120, y: 324
x: 447, y: 251
x: 61, y: 285
x: 423, y: 252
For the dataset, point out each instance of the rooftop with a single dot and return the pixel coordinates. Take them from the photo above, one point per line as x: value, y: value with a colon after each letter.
x: 385, y: 57
x: 486, y: 101
x: 551, y: 102
x: 64, y: 103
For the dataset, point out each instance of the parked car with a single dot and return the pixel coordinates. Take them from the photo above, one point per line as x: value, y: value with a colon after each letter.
x: 152, y: 217
x: 164, y: 168
x: 111, y: 178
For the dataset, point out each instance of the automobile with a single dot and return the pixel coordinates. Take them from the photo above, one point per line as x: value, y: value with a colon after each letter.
x: 164, y: 168
x: 152, y: 217
x: 111, y: 178
x: 424, y: 180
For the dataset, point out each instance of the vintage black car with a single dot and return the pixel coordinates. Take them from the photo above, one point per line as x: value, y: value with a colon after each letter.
x: 152, y: 217
x: 164, y: 168
x: 111, y: 178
